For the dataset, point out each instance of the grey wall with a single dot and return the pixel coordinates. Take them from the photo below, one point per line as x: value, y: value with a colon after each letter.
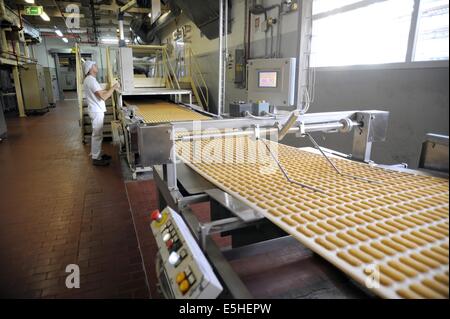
x: 417, y: 100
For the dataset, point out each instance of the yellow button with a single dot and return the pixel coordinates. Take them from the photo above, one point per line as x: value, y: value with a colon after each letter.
x: 180, y: 277
x: 184, y: 286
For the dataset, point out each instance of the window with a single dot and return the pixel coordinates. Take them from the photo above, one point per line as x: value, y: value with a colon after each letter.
x: 348, y: 32
x: 432, y: 31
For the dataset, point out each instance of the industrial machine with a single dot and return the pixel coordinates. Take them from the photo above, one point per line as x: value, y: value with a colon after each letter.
x: 362, y: 218
x: 35, y: 96
x: 183, y: 270
x: 150, y: 95
x: 386, y: 227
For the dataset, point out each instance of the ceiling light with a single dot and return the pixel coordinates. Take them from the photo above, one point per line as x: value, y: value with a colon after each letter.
x: 149, y: 14
x: 29, y: 1
x: 65, y: 40
x: 59, y: 33
x: 45, y: 16
x: 112, y: 40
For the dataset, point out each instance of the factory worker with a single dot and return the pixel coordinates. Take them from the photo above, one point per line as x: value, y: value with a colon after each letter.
x: 96, y: 97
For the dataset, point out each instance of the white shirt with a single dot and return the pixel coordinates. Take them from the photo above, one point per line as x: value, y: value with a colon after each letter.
x: 90, y: 86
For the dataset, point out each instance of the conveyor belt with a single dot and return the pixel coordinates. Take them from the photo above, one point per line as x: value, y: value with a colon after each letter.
x: 397, y: 226
x: 164, y: 112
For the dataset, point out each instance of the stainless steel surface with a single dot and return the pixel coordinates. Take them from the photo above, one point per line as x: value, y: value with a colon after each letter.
x: 192, y: 182
x: 233, y: 205
x: 434, y: 153
x: 152, y: 145
x: 288, y: 124
x: 249, y: 123
x: 231, y: 280
x: 154, y: 91
x: 259, y: 248
x: 373, y: 129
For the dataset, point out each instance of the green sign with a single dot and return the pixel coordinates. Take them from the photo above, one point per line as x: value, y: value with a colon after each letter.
x: 34, y: 10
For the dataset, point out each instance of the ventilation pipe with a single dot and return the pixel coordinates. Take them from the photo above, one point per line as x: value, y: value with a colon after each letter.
x: 148, y: 31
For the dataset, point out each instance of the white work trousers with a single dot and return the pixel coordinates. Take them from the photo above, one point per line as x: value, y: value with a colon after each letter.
x: 97, y: 134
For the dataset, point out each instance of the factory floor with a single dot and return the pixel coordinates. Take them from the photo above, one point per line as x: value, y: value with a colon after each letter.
x: 57, y: 209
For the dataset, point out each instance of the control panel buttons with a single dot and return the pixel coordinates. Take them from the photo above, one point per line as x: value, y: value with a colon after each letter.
x: 169, y: 244
x: 166, y: 236
x: 180, y: 277
x: 156, y: 215
x: 184, y: 286
x: 191, y: 279
x: 174, y: 258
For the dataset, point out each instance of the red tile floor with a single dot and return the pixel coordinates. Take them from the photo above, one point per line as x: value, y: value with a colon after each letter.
x: 57, y: 209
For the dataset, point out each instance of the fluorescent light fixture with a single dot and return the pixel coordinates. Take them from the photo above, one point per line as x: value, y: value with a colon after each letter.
x: 109, y: 40
x: 59, y: 33
x: 29, y: 1
x: 112, y: 40
x: 45, y: 16
x: 65, y: 40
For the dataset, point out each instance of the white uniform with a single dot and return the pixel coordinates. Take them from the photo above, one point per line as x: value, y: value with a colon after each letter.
x: 96, y: 109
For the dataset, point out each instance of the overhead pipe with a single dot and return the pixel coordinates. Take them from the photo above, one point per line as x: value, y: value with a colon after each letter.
x: 148, y: 31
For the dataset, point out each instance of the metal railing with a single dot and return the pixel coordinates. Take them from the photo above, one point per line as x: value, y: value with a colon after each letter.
x: 169, y: 72
x: 198, y: 81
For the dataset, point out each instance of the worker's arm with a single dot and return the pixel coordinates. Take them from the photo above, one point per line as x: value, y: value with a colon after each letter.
x: 106, y: 94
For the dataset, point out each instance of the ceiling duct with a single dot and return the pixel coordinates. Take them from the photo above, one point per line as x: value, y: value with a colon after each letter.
x: 205, y: 15
x: 148, y: 31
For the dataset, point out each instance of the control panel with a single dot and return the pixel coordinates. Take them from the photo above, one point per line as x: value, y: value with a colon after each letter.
x: 272, y: 80
x: 188, y: 273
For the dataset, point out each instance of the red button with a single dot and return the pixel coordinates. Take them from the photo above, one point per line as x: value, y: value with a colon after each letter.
x: 155, y: 215
x: 169, y: 243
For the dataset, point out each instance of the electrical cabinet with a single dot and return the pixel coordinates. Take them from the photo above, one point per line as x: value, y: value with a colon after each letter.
x: 3, y: 128
x: 50, y: 79
x: 34, y: 93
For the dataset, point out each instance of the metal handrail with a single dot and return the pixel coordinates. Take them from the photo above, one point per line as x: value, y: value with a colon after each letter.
x: 171, y: 72
x: 197, y: 72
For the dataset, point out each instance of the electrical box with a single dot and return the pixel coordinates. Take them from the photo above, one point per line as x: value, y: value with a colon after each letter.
x: 272, y: 80
x: 238, y: 109
x: 239, y: 68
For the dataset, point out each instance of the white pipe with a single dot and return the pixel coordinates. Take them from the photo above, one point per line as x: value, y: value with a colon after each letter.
x: 220, y: 93
x: 121, y: 33
x: 226, y: 54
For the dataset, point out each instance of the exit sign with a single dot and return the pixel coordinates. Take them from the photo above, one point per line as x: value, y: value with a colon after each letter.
x: 34, y: 10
